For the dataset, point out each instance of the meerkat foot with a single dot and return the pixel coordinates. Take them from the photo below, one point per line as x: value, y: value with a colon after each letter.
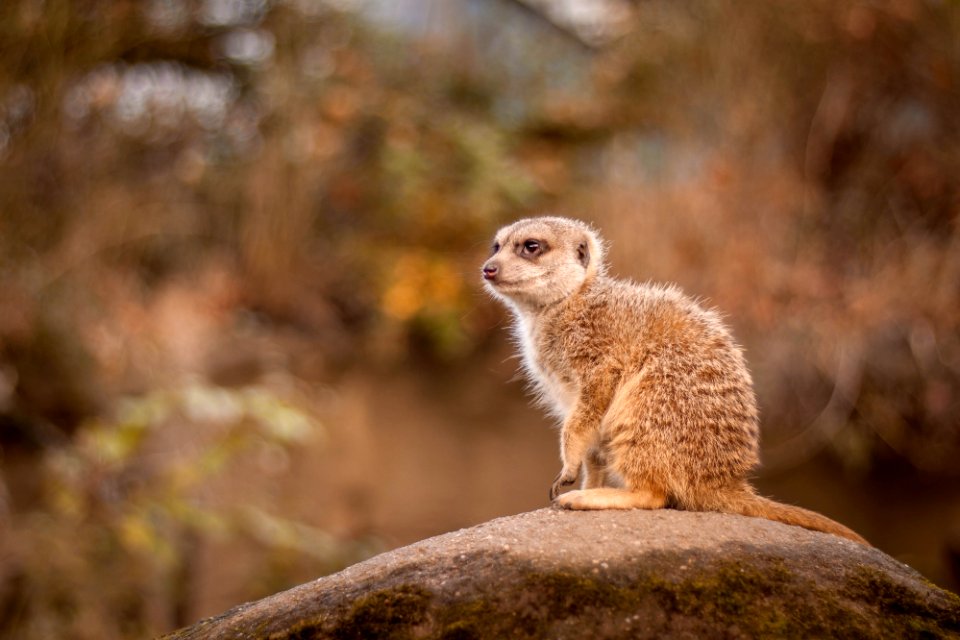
x: 610, y: 498
x: 565, y: 478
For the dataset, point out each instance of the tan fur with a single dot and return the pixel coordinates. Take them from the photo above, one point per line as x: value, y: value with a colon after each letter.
x: 656, y: 403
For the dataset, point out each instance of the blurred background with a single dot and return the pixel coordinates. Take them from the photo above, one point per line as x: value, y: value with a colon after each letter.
x: 242, y: 337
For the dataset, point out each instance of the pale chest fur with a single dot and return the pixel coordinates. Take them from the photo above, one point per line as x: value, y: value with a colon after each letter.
x: 557, y: 390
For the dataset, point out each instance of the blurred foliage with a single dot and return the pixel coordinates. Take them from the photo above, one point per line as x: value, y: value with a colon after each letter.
x: 131, y: 500
x: 321, y: 163
x: 235, y: 189
x: 809, y: 150
x: 174, y: 172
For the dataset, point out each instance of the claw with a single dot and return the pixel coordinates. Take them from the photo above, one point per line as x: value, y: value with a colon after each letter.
x: 559, y: 482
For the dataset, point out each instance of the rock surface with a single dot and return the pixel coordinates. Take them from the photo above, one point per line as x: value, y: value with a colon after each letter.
x: 611, y: 574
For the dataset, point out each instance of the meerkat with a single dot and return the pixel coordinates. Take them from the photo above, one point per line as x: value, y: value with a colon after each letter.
x: 653, y: 394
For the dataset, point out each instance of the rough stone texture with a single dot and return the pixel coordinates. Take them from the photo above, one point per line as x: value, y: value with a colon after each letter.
x: 611, y: 574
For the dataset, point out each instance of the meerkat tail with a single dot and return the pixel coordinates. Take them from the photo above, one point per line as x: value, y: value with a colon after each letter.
x: 748, y: 503
x: 610, y: 498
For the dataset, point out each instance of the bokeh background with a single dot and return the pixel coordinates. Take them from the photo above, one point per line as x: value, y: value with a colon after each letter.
x: 242, y: 337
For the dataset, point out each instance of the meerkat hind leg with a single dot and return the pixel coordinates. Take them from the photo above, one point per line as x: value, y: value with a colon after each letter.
x: 611, y: 498
x: 594, y: 471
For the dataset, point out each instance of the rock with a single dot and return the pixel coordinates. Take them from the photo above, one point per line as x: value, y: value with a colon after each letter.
x: 609, y: 574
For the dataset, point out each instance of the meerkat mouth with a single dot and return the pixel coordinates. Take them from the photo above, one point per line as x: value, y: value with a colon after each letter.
x: 501, y: 283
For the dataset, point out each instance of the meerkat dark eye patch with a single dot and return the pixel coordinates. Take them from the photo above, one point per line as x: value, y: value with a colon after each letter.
x: 583, y: 254
x: 532, y: 248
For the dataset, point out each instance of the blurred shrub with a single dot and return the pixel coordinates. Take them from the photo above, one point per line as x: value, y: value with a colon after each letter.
x: 316, y: 151
x: 808, y: 151
x: 133, y: 500
x: 178, y: 178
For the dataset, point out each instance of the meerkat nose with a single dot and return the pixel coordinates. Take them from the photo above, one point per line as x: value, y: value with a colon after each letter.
x: 490, y: 271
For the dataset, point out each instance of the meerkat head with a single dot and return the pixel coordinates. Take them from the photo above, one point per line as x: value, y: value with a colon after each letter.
x: 537, y: 262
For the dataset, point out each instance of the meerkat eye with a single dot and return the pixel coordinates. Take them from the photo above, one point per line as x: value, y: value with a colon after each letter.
x: 531, y: 247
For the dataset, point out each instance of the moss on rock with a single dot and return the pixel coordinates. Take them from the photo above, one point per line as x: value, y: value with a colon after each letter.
x: 732, y: 599
x: 389, y: 613
x: 608, y: 575
x: 898, y: 607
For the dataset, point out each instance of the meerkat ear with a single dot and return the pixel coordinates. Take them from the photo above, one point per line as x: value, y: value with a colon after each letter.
x: 583, y: 253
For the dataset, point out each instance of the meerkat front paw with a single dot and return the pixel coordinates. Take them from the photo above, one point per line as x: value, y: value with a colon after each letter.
x: 565, y: 478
